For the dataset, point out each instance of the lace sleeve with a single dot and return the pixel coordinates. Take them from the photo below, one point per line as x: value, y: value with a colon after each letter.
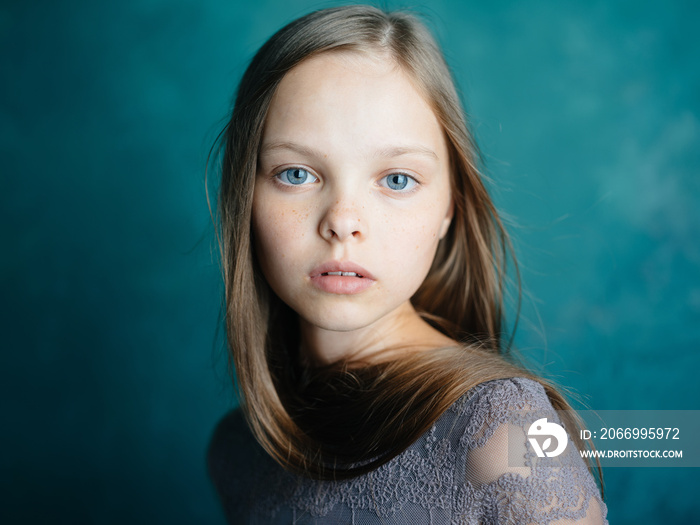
x: 514, y: 484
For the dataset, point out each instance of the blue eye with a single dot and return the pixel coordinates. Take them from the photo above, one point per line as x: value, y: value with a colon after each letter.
x: 399, y: 182
x: 296, y: 176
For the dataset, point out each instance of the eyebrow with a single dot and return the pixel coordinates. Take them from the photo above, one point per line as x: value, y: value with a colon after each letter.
x: 387, y: 152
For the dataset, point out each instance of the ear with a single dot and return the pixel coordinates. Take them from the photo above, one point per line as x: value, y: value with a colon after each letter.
x: 447, y: 220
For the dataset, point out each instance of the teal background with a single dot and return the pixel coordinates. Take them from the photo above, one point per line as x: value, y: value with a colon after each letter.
x: 111, y: 369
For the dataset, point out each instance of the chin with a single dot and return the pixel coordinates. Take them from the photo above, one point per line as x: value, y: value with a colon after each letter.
x: 337, y: 324
x: 337, y: 319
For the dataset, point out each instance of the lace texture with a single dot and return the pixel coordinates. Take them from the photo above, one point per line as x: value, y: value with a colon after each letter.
x: 459, y: 472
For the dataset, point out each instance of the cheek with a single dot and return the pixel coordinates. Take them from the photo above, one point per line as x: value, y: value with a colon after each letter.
x: 277, y: 230
x: 412, y: 240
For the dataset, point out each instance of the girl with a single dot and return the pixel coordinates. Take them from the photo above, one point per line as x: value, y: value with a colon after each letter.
x: 364, y: 271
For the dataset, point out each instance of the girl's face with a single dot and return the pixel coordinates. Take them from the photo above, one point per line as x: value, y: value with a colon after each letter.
x: 352, y: 193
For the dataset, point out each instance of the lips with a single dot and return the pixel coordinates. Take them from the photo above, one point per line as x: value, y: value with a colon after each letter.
x: 341, y: 277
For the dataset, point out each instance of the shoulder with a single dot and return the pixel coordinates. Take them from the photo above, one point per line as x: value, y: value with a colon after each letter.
x: 231, y: 434
x: 233, y: 459
x: 513, y: 392
x: 492, y: 410
x: 500, y: 461
x: 489, y: 404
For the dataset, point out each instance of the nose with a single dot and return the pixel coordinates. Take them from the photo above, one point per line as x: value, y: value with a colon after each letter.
x: 342, y: 221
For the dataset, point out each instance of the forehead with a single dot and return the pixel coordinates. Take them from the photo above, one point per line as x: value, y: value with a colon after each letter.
x: 340, y: 98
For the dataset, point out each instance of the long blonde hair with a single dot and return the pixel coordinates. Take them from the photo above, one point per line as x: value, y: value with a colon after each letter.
x: 386, y: 406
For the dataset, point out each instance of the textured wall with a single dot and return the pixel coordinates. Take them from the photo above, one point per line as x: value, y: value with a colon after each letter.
x: 587, y: 113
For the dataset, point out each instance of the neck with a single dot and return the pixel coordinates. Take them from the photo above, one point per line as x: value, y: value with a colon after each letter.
x: 401, y: 331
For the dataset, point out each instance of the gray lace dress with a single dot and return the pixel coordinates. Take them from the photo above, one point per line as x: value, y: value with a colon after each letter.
x: 459, y: 472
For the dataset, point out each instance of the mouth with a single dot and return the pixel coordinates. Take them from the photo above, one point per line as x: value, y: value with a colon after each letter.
x: 344, y: 274
x: 341, y: 269
x: 341, y: 278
